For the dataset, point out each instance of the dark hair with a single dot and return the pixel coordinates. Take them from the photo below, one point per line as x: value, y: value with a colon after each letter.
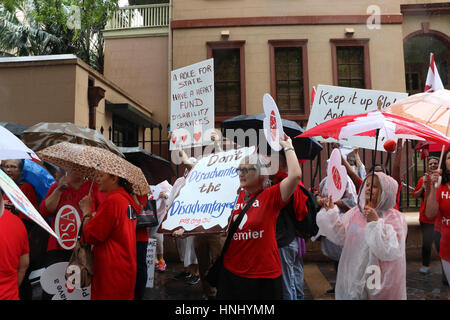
x: 445, y: 174
x: 125, y: 184
x: 383, y: 168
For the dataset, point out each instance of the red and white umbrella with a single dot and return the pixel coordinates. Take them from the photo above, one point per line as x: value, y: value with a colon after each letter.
x: 390, y: 126
x: 12, y: 148
x: 374, y: 124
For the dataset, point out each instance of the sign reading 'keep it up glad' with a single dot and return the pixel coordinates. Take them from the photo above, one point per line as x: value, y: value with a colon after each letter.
x: 192, y: 104
x: 332, y: 102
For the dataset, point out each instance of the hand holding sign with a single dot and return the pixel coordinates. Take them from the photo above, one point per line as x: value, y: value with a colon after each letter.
x: 336, y: 176
x: 273, y: 127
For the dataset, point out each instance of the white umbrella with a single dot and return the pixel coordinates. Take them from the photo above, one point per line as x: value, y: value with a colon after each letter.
x: 12, y: 147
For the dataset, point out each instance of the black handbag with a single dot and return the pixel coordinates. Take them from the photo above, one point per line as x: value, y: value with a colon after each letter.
x: 212, y: 276
x: 147, y: 218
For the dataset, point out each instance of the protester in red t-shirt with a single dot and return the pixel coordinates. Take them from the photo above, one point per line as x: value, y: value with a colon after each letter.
x: 112, y: 231
x: 69, y: 191
x: 429, y: 235
x: 13, y: 168
x: 14, y: 257
x: 438, y: 203
x: 252, y: 266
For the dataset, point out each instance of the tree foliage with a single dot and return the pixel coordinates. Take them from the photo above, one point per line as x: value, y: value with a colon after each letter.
x: 55, y: 27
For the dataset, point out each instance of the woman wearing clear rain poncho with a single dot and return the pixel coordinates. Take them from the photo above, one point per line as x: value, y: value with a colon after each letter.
x: 373, y: 262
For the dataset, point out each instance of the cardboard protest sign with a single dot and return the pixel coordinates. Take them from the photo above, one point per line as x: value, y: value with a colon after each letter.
x: 192, y: 104
x: 333, y: 102
x: 207, y: 199
x: 273, y: 127
x: 336, y: 176
x: 150, y: 258
x: 53, y: 281
x: 22, y: 203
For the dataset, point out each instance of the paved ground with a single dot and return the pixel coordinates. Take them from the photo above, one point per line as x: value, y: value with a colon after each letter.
x: 319, y: 277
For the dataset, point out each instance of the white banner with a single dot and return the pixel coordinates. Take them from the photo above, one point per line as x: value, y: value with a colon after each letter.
x: 22, y: 203
x: 192, y: 104
x: 209, y: 195
x: 333, y: 102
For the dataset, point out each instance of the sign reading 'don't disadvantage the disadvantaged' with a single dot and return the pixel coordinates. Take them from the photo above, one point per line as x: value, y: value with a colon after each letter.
x: 206, y: 201
x: 333, y: 102
x: 192, y: 104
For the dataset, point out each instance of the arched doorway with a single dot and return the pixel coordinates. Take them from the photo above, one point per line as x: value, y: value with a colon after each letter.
x: 417, y: 48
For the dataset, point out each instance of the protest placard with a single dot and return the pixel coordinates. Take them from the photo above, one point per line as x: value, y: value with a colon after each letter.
x: 192, y: 104
x: 53, y: 282
x: 150, y: 258
x: 22, y: 203
x: 336, y: 176
x: 206, y: 201
x: 332, y: 102
x: 273, y: 127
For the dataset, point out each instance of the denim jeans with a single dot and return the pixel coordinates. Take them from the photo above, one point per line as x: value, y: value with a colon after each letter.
x: 292, y: 266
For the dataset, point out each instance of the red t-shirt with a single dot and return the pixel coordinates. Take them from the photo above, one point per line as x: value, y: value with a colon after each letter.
x: 113, y: 235
x: 443, y: 199
x: 253, y: 250
x: 72, y: 197
x: 423, y: 218
x: 13, y: 245
x: 28, y: 190
x: 299, y: 203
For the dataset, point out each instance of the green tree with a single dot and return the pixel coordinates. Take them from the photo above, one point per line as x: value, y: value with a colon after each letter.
x: 21, y: 35
x: 77, y: 24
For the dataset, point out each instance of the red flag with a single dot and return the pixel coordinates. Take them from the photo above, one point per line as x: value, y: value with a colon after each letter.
x: 433, y: 81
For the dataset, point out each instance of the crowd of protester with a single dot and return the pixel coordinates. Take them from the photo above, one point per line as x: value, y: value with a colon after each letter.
x: 361, y: 233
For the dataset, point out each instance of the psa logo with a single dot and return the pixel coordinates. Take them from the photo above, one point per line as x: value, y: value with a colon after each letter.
x: 67, y: 224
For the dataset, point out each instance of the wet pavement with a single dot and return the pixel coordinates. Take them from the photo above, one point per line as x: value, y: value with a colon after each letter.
x: 419, y: 286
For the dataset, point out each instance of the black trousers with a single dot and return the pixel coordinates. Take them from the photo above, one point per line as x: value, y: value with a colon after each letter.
x: 141, y: 274
x: 37, y: 240
x: 233, y: 287
x: 429, y: 236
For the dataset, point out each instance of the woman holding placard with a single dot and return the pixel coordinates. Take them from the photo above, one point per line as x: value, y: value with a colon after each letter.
x: 251, y: 262
x: 373, y: 235
x: 438, y: 205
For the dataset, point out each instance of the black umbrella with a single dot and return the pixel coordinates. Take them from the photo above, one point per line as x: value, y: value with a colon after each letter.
x: 15, y: 128
x: 305, y: 148
x: 155, y: 168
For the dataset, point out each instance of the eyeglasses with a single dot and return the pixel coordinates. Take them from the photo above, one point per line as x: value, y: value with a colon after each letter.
x: 10, y: 167
x: 244, y: 170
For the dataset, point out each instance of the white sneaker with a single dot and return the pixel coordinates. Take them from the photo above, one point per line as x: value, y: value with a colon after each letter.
x: 424, y: 270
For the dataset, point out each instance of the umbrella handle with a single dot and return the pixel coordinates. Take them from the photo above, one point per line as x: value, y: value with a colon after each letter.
x: 90, y: 188
x: 373, y: 163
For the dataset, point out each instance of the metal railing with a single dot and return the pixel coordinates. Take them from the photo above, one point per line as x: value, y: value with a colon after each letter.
x: 314, y: 171
x: 144, y: 16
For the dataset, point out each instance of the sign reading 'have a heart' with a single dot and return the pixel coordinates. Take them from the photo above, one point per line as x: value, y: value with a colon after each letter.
x: 192, y: 105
